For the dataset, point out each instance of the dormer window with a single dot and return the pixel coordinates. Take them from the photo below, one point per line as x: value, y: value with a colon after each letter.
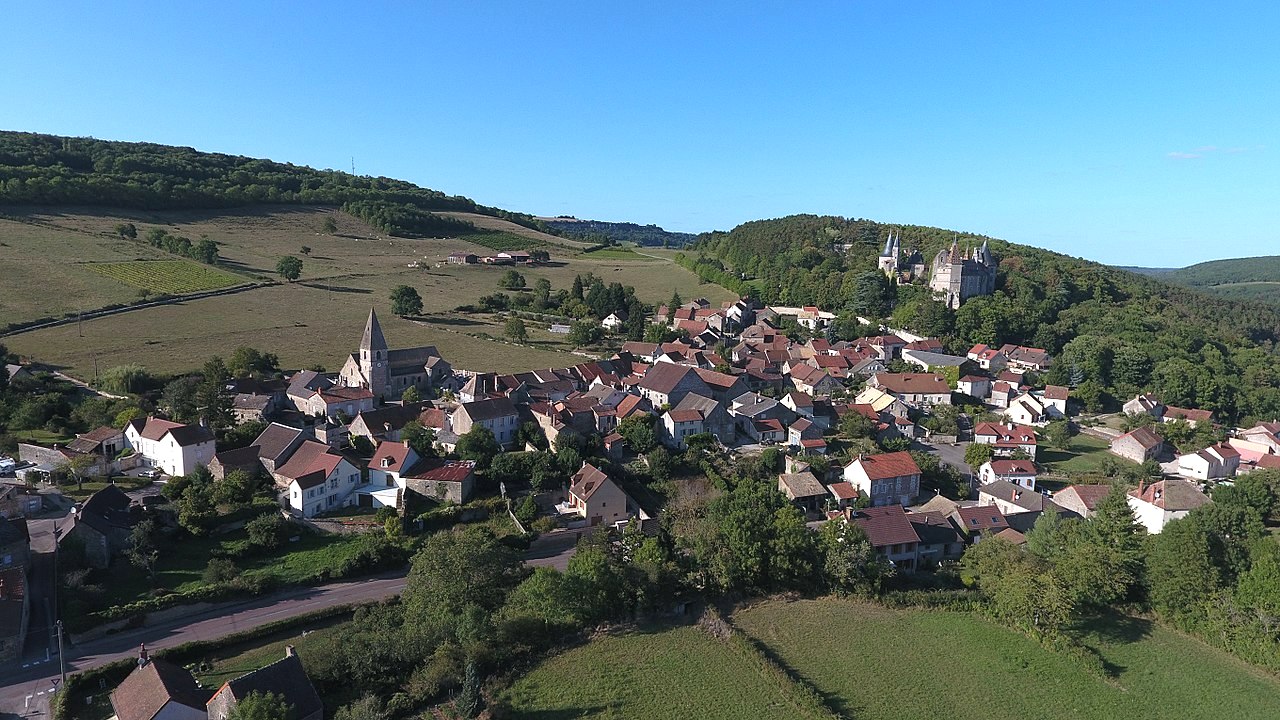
x: 386, y: 462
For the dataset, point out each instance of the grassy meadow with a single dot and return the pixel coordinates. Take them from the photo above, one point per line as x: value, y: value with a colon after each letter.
x: 872, y: 662
x: 316, y: 320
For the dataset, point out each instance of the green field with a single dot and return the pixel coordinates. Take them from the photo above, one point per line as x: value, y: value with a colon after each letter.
x: 617, y: 253
x: 319, y: 319
x: 892, y: 664
x: 173, y: 277
x: 875, y: 663
x: 1085, y: 457
x: 675, y: 673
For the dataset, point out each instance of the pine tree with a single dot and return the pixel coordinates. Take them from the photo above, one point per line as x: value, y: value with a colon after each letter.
x: 469, y: 704
x: 212, y: 398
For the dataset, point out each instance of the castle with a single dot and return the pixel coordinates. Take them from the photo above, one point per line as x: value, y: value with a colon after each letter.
x: 388, y: 373
x: 959, y: 276
x: 895, y: 266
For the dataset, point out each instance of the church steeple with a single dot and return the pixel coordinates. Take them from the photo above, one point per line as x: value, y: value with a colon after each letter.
x: 373, y: 340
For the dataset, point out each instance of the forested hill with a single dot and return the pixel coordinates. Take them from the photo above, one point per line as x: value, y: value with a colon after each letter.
x: 1223, y: 272
x: 53, y: 170
x: 1114, y: 332
x: 599, y: 230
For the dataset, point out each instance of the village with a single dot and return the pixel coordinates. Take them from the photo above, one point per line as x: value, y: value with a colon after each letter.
x: 848, y: 422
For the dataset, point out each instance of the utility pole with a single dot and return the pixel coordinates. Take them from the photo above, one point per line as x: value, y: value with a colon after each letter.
x: 62, y: 661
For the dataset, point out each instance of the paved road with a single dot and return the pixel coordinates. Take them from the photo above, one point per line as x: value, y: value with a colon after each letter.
x: 24, y: 691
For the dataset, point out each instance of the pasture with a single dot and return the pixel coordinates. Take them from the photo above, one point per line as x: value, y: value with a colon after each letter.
x: 874, y: 662
x: 653, y: 673
x: 319, y: 318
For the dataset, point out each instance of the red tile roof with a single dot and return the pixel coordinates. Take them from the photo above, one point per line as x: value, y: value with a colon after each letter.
x: 587, y: 481
x: 1193, y: 415
x: 913, y: 383
x: 1013, y: 467
x: 1006, y: 434
x: 978, y: 518
x: 439, y: 470
x: 887, y: 465
x: 885, y: 526
x: 389, y: 456
x: 843, y: 490
x: 1056, y: 392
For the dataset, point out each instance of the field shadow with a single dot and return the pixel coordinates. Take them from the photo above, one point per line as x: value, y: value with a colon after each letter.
x: 566, y: 713
x: 460, y: 322
x: 1120, y: 629
x: 336, y: 288
x: 241, y: 267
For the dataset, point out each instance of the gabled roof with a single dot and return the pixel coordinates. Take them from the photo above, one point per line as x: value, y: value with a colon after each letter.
x: 147, y: 689
x: 664, y: 377
x: 1018, y: 496
x: 1089, y: 495
x: 1171, y: 495
x: 977, y: 518
x: 1056, y: 392
x: 155, y: 429
x: 912, y: 383
x: 885, y: 526
x: 934, y: 528
x: 1013, y: 467
x: 488, y: 409
x: 310, y: 457
x: 284, y: 677
x: 1193, y: 415
x: 802, y: 485
x: 275, y: 441
x: 587, y: 481
x: 1012, y: 433
x: 390, y: 456
x: 106, y: 510
x: 887, y: 465
x: 843, y: 491
x: 1144, y: 436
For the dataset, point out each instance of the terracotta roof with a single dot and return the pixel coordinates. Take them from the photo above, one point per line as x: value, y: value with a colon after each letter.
x: 156, y: 429
x: 1056, y: 392
x: 310, y: 457
x: 978, y: 518
x: 147, y: 689
x: 1012, y: 536
x: 843, y: 491
x: 439, y: 470
x: 887, y: 465
x: 1269, y: 462
x: 100, y: 434
x: 587, y: 481
x: 885, y: 526
x: 390, y: 456
x: 1193, y: 415
x: 685, y: 415
x: 12, y: 605
x: 1006, y: 434
x: 1144, y: 437
x: 1013, y: 467
x: 339, y: 393
x: 1089, y: 495
x: 913, y: 383
x: 1171, y: 495
x: 813, y: 443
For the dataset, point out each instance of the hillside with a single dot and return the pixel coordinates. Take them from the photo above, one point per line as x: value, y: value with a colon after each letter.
x: 1114, y: 332
x: 48, y: 170
x: 596, y: 230
x: 1255, y: 279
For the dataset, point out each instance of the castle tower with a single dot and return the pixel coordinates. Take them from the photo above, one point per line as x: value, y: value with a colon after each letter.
x: 373, y: 356
x: 889, y: 258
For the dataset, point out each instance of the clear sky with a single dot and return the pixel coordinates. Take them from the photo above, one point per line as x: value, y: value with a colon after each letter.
x: 1132, y: 135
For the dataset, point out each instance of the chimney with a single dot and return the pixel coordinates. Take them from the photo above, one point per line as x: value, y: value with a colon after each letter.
x: 289, y: 651
x: 143, y: 658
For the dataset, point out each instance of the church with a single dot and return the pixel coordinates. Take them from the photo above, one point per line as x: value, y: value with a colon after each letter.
x: 959, y: 276
x: 388, y: 373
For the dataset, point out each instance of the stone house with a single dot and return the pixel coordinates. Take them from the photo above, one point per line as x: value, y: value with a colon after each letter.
x: 886, y: 479
x: 499, y: 415
x: 284, y: 677
x: 158, y: 690
x: 1139, y: 445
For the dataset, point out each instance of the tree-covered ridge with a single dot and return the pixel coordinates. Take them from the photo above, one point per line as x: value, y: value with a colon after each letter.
x: 1114, y: 332
x: 597, y: 230
x: 1226, y: 272
x: 40, y: 169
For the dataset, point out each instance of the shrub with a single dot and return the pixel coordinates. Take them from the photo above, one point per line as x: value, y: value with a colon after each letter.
x: 268, y: 532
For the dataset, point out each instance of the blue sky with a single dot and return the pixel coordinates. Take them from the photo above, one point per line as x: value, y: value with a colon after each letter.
x: 1127, y: 135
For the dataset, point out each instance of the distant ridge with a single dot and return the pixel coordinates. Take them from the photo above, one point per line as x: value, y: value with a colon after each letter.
x: 617, y: 231
x: 1253, y: 278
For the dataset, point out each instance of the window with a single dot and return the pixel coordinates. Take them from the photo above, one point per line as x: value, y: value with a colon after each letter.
x: 333, y: 483
x: 352, y: 479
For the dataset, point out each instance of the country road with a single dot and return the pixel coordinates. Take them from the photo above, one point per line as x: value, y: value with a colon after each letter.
x: 25, y: 691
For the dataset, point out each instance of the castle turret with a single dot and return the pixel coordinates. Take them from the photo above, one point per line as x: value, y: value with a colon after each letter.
x: 889, y: 258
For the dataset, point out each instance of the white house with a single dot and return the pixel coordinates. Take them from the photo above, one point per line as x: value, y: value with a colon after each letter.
x: 614, y: 321
x: 1006, y: 439
x: 174, y: 448
x: 1026, y: 409
x: 315, y: 479
x: 1212, y: 463
x: 597, y: 498
x: 1159, y: 503
x: 1018, y: 472
x: 497, y: 414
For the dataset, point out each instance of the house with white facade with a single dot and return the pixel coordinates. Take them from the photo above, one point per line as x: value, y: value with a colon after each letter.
x: 1026, y: 409
x: 1017, y: 472
x: 1162, y: 502
x: 316, y: 479
x: 499, y: 415
x: 174, y: 448
x: 1007, y: 439
x: 1216, y: 462
x: 597, y: 498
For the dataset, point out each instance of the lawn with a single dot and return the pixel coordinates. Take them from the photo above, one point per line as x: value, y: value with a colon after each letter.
x: 172, y: 277
x: 127, y: 484
x: 653, y: 674
x: 1086, y: 456
x: 231, y: 662
x: 319, y: 319
x: 874, y: 662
